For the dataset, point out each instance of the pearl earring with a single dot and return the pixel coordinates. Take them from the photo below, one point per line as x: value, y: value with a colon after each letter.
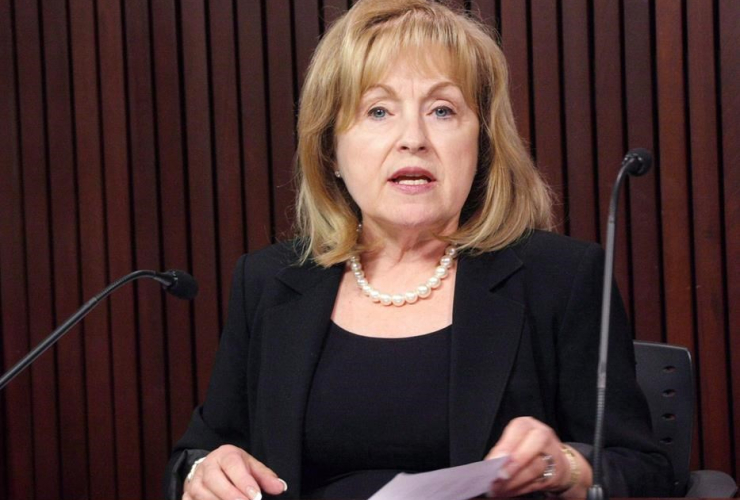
x: 337, y: 174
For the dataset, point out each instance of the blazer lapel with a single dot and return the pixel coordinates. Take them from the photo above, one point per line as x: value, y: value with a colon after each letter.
x: 487, y: 324
x: 291, y: 351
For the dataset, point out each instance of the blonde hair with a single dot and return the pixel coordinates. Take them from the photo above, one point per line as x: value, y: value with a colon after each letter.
x: 508, y: 196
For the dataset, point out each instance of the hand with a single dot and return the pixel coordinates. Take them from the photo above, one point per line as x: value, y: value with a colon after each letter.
x: 529, y: 443
x: 230, y: 473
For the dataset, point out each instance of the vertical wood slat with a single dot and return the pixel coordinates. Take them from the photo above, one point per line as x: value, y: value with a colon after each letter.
x: 200, y: 184
x: 672, y: 155
x: 146, y: 233
x: 545, y: 80
x: 92, y: 248
x: 65, y: 252
x: 307, y: 30
x: 126, y: 378
x: 18, y: 430
x: 253, y: 100
x: 674, y: 183
x: 282, y: 116
x: 169, y: 130
x: 515, y: 44
x: 583, y: 220
x: 226, y: 142
x: 609, y: 128
x: 644, y: 242
x: 705, y: 182
x: 729, y: 74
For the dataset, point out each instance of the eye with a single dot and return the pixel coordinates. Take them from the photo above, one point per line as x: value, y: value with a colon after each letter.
x: 378, y: 113
x: 443, y: 112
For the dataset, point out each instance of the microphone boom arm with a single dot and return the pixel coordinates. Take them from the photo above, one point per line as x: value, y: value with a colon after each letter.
x: 49, y: 341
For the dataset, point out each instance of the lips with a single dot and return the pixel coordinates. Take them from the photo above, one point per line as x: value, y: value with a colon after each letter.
x: 412, y: 176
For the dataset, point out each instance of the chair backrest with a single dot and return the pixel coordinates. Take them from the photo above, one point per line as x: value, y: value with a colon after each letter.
x: 666, y: 376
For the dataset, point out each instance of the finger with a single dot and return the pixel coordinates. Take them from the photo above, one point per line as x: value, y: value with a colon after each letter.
x: 511, y: 436
x: 266, y: 477
x: 534, y: 443
x: 211, y: 481
x: 238, y: 474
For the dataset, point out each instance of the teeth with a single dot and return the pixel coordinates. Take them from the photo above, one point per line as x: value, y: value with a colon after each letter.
x: 413, y: 182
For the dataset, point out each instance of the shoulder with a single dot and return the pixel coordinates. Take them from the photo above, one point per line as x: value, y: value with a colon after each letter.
x: 553, y: 267
x: 549, y: 255
x: 546, y: 247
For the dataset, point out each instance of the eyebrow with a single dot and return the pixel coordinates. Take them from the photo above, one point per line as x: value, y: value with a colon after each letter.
x: 434, y: 88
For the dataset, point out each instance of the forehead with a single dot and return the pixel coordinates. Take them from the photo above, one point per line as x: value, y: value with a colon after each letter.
x: 427, y: 66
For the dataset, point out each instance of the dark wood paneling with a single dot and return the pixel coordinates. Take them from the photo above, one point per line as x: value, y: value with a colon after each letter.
x: 226, y: 141
x: 644, y: 213
x: 162, y: 136
x: 18, y: 429
x: 545, y: 81
x: 282, y: 112
x: 65, y: 251
x: 582, y: 219
x: 146, y: 234
x: 515, y: 44
x: 172, y: 192
x: 672, y: 156
x: 706, y: 186
x: 200, y: 186
x: 253, y: 99
x: 126, y: 379
x: 92, y: 247
x: 729, y: 93
x: 610, y: 141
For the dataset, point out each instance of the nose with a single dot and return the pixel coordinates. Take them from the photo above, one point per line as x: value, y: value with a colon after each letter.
x: 413, y: 138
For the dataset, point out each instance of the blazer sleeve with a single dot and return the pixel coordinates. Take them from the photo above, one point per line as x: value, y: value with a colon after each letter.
x: 223, y: 418
x: 633, y: 463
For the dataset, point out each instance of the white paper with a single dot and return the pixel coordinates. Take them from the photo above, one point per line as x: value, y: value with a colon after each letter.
x: 456, y: 483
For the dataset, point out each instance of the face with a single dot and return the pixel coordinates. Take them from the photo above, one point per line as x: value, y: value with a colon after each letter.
x: 410, y: 156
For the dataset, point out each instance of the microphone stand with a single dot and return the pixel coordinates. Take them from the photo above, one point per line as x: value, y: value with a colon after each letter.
x: 637, y: 162
x: 49, y: 341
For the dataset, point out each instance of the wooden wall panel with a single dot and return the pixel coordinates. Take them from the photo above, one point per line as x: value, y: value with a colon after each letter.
x: 709, y: 269
x: 160, y: 134
x: 547, y: 141
x: 18, y: 431
x: 582, y: 220
x: 65, y: 253
x: 254, y: 119
x: 118, y: 222
x: 729, y: 122
x: 610, y: 127
x: 92, y: 248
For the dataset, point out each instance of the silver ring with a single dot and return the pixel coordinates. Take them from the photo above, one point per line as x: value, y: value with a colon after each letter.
x: 549, y: 471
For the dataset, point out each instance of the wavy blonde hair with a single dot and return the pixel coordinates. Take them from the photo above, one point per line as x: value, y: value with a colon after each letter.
x: 508, y: 196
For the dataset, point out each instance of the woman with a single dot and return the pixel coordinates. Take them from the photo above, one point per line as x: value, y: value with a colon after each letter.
x: 420, y: 319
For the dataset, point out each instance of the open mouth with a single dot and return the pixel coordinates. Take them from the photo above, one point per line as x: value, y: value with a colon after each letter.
x: 412, y: 180
x: 412, y: 176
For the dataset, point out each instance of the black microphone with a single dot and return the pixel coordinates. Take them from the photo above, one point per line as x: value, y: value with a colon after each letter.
x: 178, y: 283
x: 637, y: 162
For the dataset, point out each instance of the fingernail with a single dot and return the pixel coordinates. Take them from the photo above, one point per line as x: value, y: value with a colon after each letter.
x: 285, y: 485
x: 498, y: 455
x: 254, y: 494
x: 504, y: 474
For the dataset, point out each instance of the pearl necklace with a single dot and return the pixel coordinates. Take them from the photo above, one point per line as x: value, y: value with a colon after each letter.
x: 398, y: 299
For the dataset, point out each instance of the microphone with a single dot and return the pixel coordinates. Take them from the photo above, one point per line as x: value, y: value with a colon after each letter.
x: 178, y: 283
x: 636, y: 162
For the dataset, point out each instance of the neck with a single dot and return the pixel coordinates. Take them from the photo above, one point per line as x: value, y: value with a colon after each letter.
x: 401, y: 245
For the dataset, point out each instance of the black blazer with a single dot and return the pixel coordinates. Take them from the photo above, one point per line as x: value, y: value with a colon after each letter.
x: 524, y: 342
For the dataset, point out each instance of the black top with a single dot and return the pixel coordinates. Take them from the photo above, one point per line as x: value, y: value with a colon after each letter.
x: 377, y: 406
x: 524, y: 341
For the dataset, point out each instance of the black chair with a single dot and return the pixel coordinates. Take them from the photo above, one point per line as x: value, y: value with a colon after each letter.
x: 666, y: 376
